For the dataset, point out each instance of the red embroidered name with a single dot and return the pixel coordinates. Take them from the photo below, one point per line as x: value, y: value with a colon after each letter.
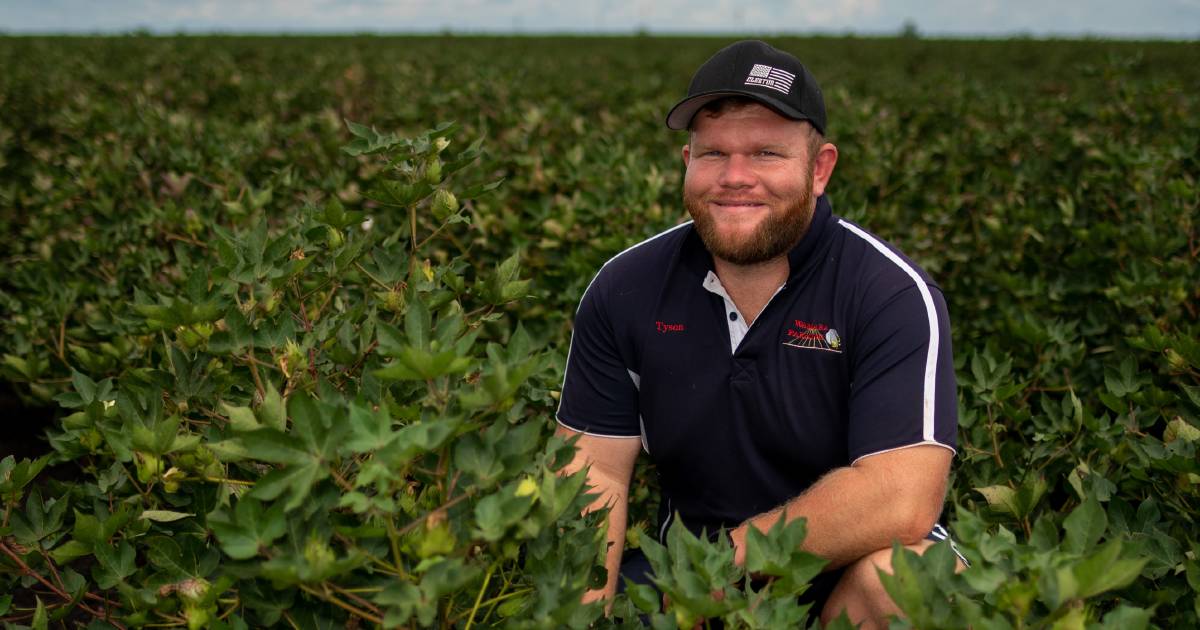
x: 664, y: 327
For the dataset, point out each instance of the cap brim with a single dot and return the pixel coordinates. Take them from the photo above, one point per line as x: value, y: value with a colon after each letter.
x: 680, y: 116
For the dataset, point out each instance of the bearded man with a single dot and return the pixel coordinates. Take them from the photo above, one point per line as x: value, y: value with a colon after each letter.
x: 773, y: 360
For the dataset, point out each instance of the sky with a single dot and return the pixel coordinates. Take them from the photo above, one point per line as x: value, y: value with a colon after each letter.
x: 1172, y: 19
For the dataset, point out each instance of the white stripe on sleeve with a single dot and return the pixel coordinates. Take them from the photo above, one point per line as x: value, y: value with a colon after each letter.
x: 931, y: 314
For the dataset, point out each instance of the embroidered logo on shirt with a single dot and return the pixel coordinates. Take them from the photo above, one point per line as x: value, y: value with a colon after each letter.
x: 772, y: 78
x: 664, y: 327
x: 802, y: 334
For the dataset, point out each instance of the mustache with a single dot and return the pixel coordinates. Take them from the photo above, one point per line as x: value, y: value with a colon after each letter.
x: 733, y: 202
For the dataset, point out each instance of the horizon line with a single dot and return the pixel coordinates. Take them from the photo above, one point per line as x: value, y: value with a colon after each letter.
x: 145, y: 31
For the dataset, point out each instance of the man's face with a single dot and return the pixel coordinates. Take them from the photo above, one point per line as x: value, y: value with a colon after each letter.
x: 749, y: 183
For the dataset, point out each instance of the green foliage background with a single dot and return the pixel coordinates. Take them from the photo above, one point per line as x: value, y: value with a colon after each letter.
x: 269, y: 415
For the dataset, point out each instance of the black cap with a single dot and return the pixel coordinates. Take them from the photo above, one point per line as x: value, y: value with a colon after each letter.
x: 755, y: 70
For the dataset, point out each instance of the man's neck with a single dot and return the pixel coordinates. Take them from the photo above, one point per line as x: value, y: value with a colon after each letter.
x: 752, y: 286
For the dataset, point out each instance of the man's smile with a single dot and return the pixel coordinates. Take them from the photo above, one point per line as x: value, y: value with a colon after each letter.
x: 738, y: 204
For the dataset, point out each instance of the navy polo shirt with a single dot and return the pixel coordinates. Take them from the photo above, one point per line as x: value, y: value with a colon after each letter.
x: 851, y: 357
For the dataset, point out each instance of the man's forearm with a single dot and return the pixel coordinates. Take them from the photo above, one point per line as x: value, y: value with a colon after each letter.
x: 609, y: 463
x: 618, y: 504
x: 853, y: 511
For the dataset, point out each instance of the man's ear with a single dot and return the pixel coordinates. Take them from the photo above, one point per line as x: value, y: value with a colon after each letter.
x: 687, y: 154
x: 826, y: 159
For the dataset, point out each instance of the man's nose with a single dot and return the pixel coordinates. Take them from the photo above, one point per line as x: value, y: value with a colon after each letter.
x: 737, y: 173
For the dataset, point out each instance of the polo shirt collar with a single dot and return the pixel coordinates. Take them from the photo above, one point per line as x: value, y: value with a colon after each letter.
x: 801, y: 256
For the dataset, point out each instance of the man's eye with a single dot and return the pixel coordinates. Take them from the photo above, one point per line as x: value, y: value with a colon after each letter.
x: 768, y: 154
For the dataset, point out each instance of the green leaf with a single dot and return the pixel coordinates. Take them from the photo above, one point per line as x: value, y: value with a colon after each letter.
x: 418, y: 365
x: 473, y: 456
x: 1019, y: 502
x: 417, y: 325
x: 230, y: 450
x: 391, y: 340
x: 296, y: 480
x: 181, y: 556
x: 70, y: 550
x: 368, y: 140
x: 1127, y: 618
x: 1105, y: 570
x: 497, y: 512
x: 1084, y: 526
x: 1179, y: 429
x: 248, y: 529
x: 368, y: 430
x: 1193, y: 394
x: 1001, y: 498
x: 272, y: 412
x: 39, y: 520
x: 115, y: 563
x: 1123, y: 381
x: 14, y: 476
x: 643, y: 596
x: 311, y: 421
x: 778, y: 553
x: 86, y: 529
x: 415, y: 439
x: 164, y: 516
x: 904, y: 585
x: 446, y: 577
x: 40, y: 619
x: 270, y: 445
x: 84, y: 386
x: 401, y: 600
x: 240, y: 418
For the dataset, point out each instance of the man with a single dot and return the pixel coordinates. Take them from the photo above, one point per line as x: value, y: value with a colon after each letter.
x: 774, y: 360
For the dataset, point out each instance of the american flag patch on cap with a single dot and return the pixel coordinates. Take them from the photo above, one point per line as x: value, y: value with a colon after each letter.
x: 768, y: 77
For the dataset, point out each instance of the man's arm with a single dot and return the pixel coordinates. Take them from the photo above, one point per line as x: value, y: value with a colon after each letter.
x: 609, y: 462
x: 852, y: 511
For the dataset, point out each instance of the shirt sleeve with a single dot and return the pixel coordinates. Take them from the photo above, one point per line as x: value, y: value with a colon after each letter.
x: 903, y: 391
x: 599, y: 395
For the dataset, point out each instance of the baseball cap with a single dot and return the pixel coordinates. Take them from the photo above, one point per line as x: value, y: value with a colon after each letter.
x: 755, y: 70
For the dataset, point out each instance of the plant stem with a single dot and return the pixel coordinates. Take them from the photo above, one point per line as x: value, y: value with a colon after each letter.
x: 50, y: 565
x: 445, y: 506
x: 360, y: 601
x: 57, y: 591
x: 394, y: 539
x: 233, y: 482
x: 341, y: 481
x: 478, y: 598
x: 412, y: 219
x: 258, y: 384
x: 303, y: 308
x: 383, y: 285
x: 328, y: 299
x: 341, y: 604
x: 62, y: 340
x: 995, y: 442
x: 499, y: 598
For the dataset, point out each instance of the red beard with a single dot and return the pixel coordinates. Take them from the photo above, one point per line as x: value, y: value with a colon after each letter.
x: 774, y: 236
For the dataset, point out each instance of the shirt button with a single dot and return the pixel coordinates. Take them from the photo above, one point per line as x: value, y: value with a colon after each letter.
x: 733, y: 317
